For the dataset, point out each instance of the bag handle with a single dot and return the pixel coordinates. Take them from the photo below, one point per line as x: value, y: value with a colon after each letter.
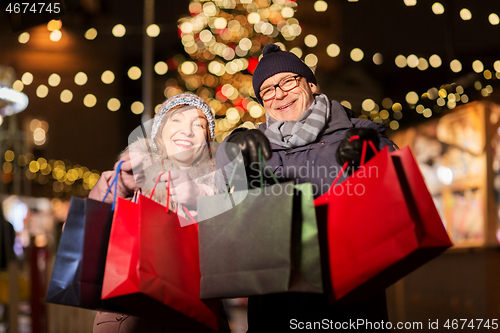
x: 363, y: 157
x: 114, y: 182
x: 167, y: 210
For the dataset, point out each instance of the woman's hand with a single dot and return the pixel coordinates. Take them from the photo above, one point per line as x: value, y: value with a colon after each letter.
x: 184, y: 190
x: 131, y: 175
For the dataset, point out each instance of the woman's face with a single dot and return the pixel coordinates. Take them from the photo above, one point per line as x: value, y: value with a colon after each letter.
x: 185, y: 135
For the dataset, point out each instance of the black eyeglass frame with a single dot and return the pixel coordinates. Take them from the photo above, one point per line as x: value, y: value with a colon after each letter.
x: 295, y: 77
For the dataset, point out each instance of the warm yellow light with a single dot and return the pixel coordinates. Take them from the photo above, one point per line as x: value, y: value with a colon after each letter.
x: 494, y: 19
x: 66, y: 96
x: 9, y: 155
x: 134, y: 73
x: 245, y: 44
x: 333, y: 50
x: 311, y: 60
x: 378, y: 59
x: 186, y: 27
x: 287, y: 12
x: 24, y: 38
x: 437, y: 8
x: 107, y: 77
x: 435, y: 61
x: 384, y: 114
x: 34, y: 124
x: 81, y: 78
x: 477, y: 66
x: 455, y: 66
x: 440, y: 101
x: 394, y: 125
x: 39, y: 135
x: 357, y: 54
x: 189, y: 67
x: 443, y: 93
x: 256, y: 111
x: 420, y: 109
x: 18, y: 85
x: 368, y: 104
x: 220, y: 23
x: 320, y: 6
x: 297, y: 51
x: 54, y: 80
x: 205, y: 37
x: 1, y: 120
x: 311, y: 41
x: 412, y: 61
x: 55, y: 35
x: 42, y: 91
x: 113, y: 104
x: 137, y: 107
x: 422, y: 64
x: 410, y: 2
x: 153, y: 30
x: 496, y: 65
x: 209, y: 9
x: 346, y: 104
x: 161, y: 67
x: 89, y: 100
x: 396, y: 107
x: 253, y: 18
x: 400, y: 61
x: 427, y: 113
x: 54, y: 25
x: 412, y: 97
x: 465, y: 14
x: 27, y: 78
x: 119, y: 30
x: 91, y: 34
x: 157, y: 107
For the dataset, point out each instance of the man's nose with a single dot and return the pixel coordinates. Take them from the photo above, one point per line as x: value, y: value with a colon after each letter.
x: 279, y: 93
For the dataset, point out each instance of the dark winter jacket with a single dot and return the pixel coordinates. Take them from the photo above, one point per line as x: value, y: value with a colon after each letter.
x: 314, y: 163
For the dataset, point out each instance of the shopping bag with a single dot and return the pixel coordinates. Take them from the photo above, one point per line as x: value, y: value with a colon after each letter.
x: 152, y: 267
x: 78, y: 270
x: 266, y: 244
x: 381, y: 224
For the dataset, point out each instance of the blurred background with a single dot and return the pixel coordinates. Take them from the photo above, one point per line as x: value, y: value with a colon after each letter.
x: 74, y: 84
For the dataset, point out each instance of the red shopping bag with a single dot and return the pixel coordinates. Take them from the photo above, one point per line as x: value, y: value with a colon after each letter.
x: 381, y: 224
x: 152, y: 266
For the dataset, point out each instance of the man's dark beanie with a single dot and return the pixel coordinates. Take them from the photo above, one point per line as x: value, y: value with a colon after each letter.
x: 275, y: 61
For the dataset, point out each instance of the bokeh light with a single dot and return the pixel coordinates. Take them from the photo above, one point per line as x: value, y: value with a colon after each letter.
x: 119, y: 30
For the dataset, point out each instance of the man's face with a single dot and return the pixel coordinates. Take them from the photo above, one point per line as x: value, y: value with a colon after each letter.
x: 289, y: 105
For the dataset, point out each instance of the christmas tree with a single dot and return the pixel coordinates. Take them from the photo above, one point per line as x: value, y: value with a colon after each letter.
x: 224, y: 40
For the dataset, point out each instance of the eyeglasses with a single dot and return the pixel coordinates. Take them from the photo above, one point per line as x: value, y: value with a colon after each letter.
x: 285, y: 85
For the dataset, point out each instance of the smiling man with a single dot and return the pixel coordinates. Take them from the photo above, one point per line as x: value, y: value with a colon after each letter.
x: 303, y: 132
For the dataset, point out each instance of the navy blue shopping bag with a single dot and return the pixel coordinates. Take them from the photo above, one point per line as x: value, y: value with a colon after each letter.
x: 78, y: 271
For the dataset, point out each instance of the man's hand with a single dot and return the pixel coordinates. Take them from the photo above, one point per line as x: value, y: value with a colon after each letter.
x: 350, y: 150
x: 248, y: 141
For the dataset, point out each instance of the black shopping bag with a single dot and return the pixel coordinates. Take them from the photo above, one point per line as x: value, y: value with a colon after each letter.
x: 268, y: 243
x: 78, y: 270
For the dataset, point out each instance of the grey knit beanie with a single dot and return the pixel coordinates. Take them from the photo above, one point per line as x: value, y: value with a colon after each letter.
x: 274, y: 61
x: 184, y: 99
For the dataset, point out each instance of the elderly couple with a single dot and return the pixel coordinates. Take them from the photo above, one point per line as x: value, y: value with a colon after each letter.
x: 303, y: 127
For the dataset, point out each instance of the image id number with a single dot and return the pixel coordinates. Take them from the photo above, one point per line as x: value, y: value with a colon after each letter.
x: 35, y: 7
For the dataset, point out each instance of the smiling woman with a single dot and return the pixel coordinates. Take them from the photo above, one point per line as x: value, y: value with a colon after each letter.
x: 180, y: 145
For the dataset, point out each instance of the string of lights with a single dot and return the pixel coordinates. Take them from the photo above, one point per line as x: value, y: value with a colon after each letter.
x: 65, y: 177
x: 224, y: 40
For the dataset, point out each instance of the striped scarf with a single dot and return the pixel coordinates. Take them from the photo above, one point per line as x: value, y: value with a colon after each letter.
x: 291, y: 134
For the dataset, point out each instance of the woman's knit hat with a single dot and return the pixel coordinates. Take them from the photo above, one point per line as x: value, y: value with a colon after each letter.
x: 275, y: 61
x: 184, y: 99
